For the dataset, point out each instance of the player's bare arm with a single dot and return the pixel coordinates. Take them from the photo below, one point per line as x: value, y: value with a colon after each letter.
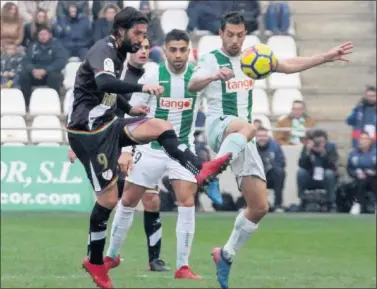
x: 199, y: 83
x: 298, y: 64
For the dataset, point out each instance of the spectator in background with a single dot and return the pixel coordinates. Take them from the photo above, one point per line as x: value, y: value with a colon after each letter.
x: 43, y: 63
x: 363, y: 116
x: 155, y: 33
x: 62, y: 11
x: 11, y: 67
x: 75, y: 32
x: 318, y: 167
x: 28, y: 9
x: 12, y: 27
x: 274, y: 165
x: 251, y: 11
x: 297, y: 121
x: 200, y: 117
x: 277, y: 17
x: 362, y: 168
x: 257, y: 123
x: 98, y: 5
x: 103, y: 25
x: 206, y: 15
x: 32, y: 28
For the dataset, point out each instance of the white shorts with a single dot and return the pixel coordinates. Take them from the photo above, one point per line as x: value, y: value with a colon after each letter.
x: 150, y: 165
x: 248, y: 162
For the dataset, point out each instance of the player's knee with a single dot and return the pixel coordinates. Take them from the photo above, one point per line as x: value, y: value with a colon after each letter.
x: 249, y: 131
x: 151, y: 202
x: 186, y: 201
x: 160, y: 125
x: 129, y: 199
x: 260, y: 209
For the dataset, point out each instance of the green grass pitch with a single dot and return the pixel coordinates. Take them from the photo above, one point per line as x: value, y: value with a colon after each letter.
x: 44, y: 250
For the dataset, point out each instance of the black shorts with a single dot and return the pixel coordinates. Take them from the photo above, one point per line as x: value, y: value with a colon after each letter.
x: 99, y: 152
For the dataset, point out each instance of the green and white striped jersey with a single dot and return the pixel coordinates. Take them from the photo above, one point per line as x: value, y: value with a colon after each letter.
x: 176, y: 105
x: 232, y: 97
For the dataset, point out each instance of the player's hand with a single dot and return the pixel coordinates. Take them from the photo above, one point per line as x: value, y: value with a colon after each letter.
x: 139, y: 110
x: 153, y: 89
x: 224, y: 74
x: 338, y: 53
x: 310, y: 144
x: 71, y: 156
x: 125, y: 162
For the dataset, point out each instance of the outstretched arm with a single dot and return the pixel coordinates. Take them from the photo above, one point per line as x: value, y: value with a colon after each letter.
x: 298, y: 64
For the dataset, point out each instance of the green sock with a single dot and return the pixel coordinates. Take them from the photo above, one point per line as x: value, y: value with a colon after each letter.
x: 234, y: 143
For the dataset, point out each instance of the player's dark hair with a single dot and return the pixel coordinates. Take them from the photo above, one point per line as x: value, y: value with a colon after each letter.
x: 234, y: 18
x: 298, y: 102
x: 318, y: 133
x: 127, y: 18
x: 371, y: 88
x: 176, y: 35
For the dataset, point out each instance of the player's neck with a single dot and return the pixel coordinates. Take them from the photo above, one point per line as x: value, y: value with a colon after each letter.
x: 227, y: 54
x: 174, y: 71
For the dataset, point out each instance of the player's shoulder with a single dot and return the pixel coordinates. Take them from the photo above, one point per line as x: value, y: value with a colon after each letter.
x: 151, y: 68
x: 105, y: 45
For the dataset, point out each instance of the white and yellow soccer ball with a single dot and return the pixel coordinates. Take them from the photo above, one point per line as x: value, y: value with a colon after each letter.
x: 258, y: 61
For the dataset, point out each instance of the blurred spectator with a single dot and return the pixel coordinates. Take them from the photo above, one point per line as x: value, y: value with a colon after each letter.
x: 98, y: 5
x: 274, y: 164
x: 251, y: 12
x: 12, y: 27
x: 155, y: 32
x: 103, y: 25
x: 206, y: 15
x: 200, y: 117
x: 257, y: 123
x: 62, y: 11
x: 363, y: 116
x: 32, y: 28
x: 75, y: 32
x: 318, y: 167
x: 29, y: 8
x: 277, y: 17
x: 297, y: 121
x: 11, y: 67
x: 43, y: 63
x: 362, y: 168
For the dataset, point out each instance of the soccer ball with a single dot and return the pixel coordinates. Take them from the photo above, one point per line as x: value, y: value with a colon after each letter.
x: 258, y: 61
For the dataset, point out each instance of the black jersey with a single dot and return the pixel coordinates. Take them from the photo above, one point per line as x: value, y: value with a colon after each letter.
x: 92, y: 108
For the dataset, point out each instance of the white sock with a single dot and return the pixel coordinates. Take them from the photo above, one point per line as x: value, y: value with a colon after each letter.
x: 234, y: 143
x: 243, y: 228
x: 121, y: 224
x: 185, y: 234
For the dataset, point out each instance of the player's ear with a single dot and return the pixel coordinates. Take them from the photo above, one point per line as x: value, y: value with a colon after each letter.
x: 221, y: 32
x: 164, y: 48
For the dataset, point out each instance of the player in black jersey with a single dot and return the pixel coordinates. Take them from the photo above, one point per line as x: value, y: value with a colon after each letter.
x: 96, y: 135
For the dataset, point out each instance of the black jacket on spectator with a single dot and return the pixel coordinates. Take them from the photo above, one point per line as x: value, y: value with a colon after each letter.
x: 74, y: 33
x: 155, y: 33
x: 251, y: 11
x: 51, y: 56
x: 101, y: 29
x: 310, y: 160
x: 28, y: 38
x: 98, y: 5
x: 62, y: 9
x: 272, y: 155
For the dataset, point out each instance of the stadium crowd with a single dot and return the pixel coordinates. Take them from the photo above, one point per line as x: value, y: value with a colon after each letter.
x: 39, y: 38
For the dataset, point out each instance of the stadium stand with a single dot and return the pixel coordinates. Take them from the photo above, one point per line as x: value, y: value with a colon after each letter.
x: 12, y: 102
x: 174, y: 19
x: 70, y: 74
x: 260, y: 102
x: 45, y: 101
x: 46, y: 128
x: 13, y: 129
x: 282, y: 100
